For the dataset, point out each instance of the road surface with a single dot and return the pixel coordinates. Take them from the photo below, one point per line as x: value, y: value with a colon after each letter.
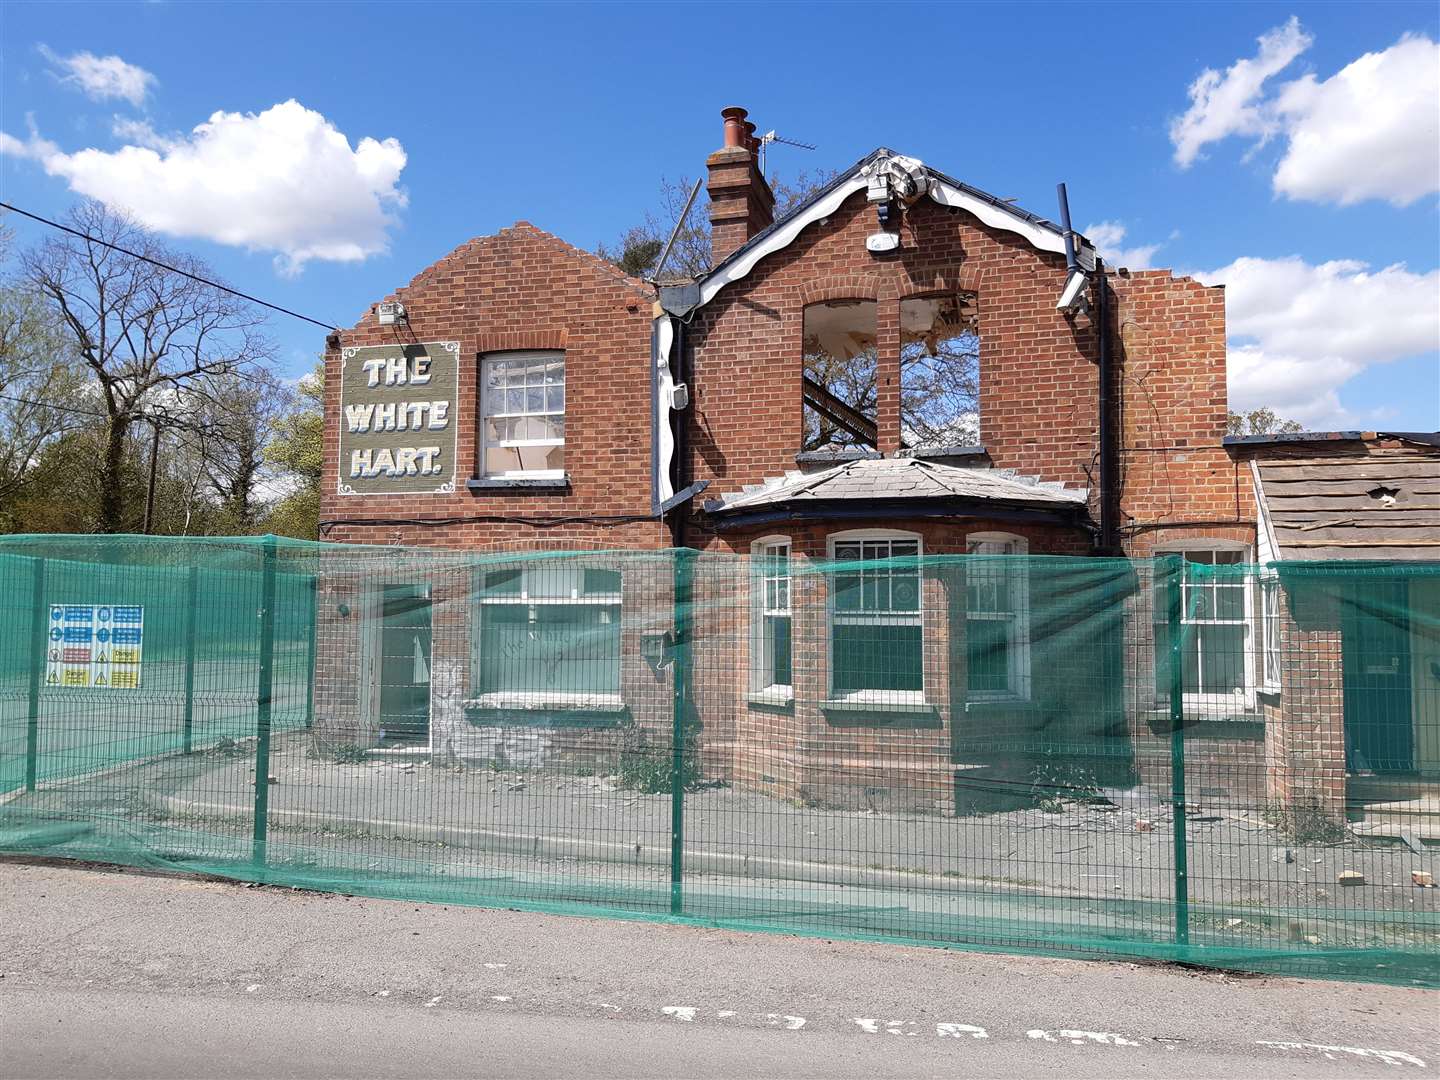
x: 131, y: 975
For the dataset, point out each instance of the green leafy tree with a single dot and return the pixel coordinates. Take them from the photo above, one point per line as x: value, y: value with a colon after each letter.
x: 1261, y: 421
x: 296, y: 450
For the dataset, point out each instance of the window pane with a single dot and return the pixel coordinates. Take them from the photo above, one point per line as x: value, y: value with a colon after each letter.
x: 553, y: 648
x: 602, y: 582
x: 1215, y: 659
x: 876, y: 658
x: 503, y: 582
x: 777, y: 635
x: 987, y: 647
x: 905, y: 592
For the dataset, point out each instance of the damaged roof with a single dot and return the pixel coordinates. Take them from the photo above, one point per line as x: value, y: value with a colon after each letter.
x: 907, y: 484
x: 1367, y: 502
x: 993, y: 211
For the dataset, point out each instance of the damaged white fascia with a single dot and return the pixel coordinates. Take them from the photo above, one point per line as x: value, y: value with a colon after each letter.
x: 998, y: 217
x: 669, y: 396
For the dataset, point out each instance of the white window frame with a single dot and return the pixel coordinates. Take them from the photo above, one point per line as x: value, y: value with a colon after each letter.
x: 1211, y: 702
x: 886, y: 618
x: 1268, y: 637
x: 763, y: 687
x: 546, y: 699
x: 544, y: 356
x: 1018, y: 676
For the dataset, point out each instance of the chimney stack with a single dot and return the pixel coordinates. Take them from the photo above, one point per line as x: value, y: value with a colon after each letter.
x: 741, y: 202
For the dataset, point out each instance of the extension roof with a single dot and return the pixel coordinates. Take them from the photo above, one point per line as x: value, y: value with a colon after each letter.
x: 906, y: 486
x: 1365, y: 501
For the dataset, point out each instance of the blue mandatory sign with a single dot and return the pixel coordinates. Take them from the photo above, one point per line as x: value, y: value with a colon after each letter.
x: 104, y: 614
x: 103, y: 634
x: 57, y: 613
x: 56, y: 634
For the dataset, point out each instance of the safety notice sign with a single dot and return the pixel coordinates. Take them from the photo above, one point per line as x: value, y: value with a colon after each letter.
x: 97, y: 645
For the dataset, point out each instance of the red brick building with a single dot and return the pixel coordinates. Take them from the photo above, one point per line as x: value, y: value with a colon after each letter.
x: 993, y: 389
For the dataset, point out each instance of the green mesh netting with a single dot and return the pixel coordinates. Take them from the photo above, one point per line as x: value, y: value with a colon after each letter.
x: 1184, y: 758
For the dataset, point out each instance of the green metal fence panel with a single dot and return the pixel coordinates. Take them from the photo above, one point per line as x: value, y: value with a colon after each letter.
x: 1186, y: 758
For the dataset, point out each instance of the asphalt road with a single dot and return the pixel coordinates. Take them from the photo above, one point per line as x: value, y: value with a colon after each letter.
x: 123, y: 974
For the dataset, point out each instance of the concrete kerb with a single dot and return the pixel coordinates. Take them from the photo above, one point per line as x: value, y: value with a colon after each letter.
x: 540, y: 846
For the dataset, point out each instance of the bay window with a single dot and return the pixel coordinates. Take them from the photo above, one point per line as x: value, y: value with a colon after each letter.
x: 997, y: 617
x: 770, y: 659
x: 876, y: 638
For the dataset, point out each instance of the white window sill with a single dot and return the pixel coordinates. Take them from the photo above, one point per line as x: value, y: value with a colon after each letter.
x: 879, y: 701
x: 996, y: 698
x: 547, y: 701
x: 773, y: 695
x: 503, y: 483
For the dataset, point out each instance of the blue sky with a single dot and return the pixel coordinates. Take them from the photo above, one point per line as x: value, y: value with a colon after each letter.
x: 1303, y: 171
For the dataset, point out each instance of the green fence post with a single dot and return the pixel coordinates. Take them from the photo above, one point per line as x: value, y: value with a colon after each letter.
x: 262, y: 700
x: 39, y: 642
x: 1175, y: 600
x: 680, y: 673
x: 192, y: 601
x: 310, y: 653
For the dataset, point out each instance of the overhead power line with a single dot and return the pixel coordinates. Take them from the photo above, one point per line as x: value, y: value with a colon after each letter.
x: 166, y: 266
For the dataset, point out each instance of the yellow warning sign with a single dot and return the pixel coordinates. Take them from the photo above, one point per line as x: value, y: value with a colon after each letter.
x: 124, y: 680
x: 77, y: 676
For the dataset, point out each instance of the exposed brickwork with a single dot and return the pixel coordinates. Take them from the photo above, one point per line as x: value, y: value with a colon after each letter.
x: 524, y: 289
x: 521, y: 289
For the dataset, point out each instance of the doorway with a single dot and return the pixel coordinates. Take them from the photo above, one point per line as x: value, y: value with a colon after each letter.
x: 404, y: 668
x: 1375, y: 644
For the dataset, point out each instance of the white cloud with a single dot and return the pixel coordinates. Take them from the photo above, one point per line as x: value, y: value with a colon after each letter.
x: 1299, y: 331
x: 101, y: 78
x: 140, y: 133
x: 1109, y: 239
x: 1226, y: 104
x: 285, y: 180
x: 1370, y: 131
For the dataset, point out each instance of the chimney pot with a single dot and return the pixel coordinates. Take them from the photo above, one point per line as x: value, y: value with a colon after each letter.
x: 741, y: 202
x: 734, y: 125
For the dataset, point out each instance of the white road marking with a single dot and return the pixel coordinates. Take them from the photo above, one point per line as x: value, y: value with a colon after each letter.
x: 1081, y: 1038
x: 960, y: 1031
x: 723, y: 1013
x: 892, y: 1027
x: 680, y: 1012
x: 501, y: 997
x: 1389, y: 1057
x: 252, y: 988
x: 789, y: 1023
x: 494, y: 967
x: 382, y: 993
x: 433, y: 1002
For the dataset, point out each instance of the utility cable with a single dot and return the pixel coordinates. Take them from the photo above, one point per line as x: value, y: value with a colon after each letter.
x: 166, y: 266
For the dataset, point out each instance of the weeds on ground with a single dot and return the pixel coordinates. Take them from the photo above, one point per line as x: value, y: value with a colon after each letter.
x: 1056, y: 780
x: 1305, y: 821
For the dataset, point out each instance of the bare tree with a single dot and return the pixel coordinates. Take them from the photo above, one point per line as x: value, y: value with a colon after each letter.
x: 38, y: 372
x: 149, y: 337
x: 638, y: 249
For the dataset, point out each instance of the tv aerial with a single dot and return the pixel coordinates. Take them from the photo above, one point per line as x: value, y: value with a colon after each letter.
x: 771, y: 137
